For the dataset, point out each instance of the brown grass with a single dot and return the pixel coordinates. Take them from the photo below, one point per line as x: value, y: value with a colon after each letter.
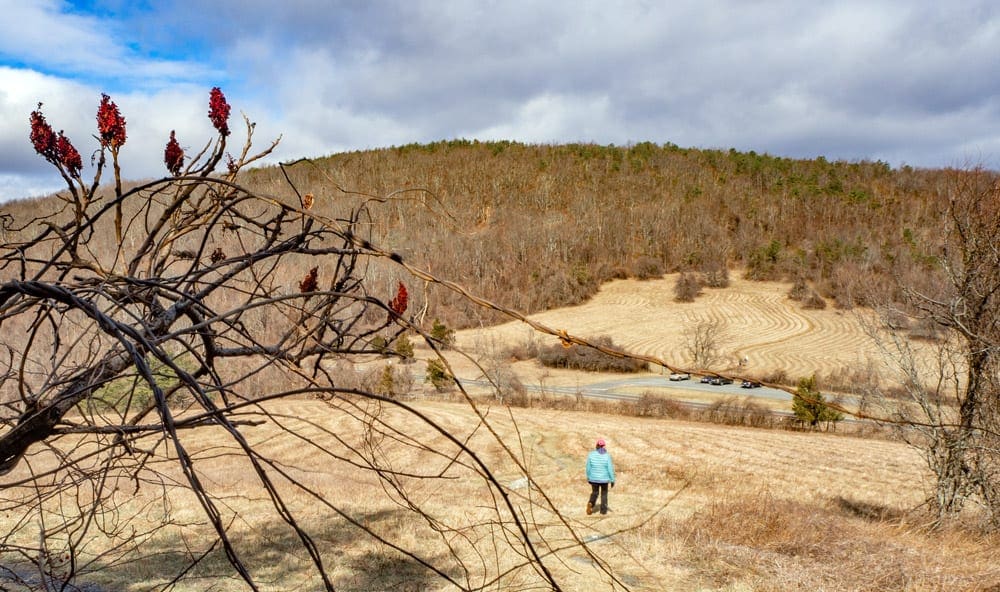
x: 759, y: 323
x: 696, y: 507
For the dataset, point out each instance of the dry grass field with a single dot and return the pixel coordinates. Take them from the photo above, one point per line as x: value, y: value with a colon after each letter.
x: 757, y: 322
x: 283, y: 293
x: 697, y: 506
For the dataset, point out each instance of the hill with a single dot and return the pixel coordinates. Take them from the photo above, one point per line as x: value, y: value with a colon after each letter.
x: 535, y: 227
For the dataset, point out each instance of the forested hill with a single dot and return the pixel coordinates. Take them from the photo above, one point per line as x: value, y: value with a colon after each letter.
x: 539, y: 226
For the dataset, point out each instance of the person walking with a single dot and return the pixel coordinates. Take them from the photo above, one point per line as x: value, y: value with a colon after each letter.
x: 600, y: 474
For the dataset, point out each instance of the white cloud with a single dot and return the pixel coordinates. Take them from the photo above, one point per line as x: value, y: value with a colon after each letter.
x: 907, y: 82
x: 554, y: 118
x: 44, y: 34
x: 72, y: 107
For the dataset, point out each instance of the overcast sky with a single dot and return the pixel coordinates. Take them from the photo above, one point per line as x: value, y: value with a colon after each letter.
x: 907, y: 82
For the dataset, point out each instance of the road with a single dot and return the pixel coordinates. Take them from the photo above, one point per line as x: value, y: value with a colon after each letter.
x: 617, y: 389
x: 614, y: 390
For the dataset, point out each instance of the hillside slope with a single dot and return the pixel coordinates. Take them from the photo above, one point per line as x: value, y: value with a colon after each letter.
x: 535, y: 227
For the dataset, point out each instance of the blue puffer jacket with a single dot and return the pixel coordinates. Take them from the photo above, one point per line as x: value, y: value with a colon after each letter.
x: 600, y: 469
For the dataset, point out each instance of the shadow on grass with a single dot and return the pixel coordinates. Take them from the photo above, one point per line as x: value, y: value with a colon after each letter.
x: 276, y: 558
x: 868, y: 511
x: 388, y: 571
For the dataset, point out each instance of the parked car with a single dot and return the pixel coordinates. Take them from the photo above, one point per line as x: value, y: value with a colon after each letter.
x: 720, y: 380
x: 750, y: 384
x: 680, y: 376
x: 706, y: 379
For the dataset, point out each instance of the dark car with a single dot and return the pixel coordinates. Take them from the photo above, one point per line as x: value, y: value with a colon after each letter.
x: 720, y: 380
x: 706, y: 379
x: 750, y: 384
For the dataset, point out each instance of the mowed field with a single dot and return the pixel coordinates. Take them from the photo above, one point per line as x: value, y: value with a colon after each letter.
x: 697, y: 506
x: 757, y: 322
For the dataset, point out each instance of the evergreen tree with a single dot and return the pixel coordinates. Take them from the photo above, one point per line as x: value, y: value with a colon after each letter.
x: 809, y: 405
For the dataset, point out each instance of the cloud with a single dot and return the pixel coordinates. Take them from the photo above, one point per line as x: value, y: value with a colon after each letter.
x: 72, y: 106
x: 556, y: 118
x: 44, y: 35
x: 905, y: 82
x: 65, y: 60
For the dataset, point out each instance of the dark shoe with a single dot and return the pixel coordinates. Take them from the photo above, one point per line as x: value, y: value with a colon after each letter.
x: 590, y: 508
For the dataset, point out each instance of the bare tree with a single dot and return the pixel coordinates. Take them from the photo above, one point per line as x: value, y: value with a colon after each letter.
x: 952, y: 409
x: 703, y: 341
x: 214, y: 303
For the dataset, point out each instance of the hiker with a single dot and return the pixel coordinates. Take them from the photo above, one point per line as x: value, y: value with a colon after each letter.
x: 600, y: 473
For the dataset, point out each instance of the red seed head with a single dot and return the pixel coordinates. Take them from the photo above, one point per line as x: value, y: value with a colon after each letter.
x: 173, y: 155
x: 68, y: 156
x: 42, y: 136
x: 309, y: 283
x: 218, y: 111
x: 398, y: 304
x: 110, y: 123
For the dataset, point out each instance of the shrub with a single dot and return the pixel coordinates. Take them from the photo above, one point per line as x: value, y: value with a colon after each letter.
x: 852, y: 379
x: 438, y: 375
x: 716, y: 276
x: 809, y: 405
x: 777, y: 377
x: 388, y: 380
x: 800, y: 290
x: 687, y: 288
x: 442, y: 334
x: 509, y: 390
x: 647, y: 268
x: 404, y: 348
x: 763, y: 262
x: 380, y: 344
x: 807, y: 296
x: 126, y: 395
x: 588, y: 358
x: 526, y: 350
x: 814, y: 301
x: 743, y: 412
x: 925, y: 329
x: 652, y: 405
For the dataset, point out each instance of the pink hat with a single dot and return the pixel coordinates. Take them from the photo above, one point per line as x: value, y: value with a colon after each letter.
x: 600, y: 443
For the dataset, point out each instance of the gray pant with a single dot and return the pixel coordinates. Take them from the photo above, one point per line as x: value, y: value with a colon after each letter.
x: 603, y: 489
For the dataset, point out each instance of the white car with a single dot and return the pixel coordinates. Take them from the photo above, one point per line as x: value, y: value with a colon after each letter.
x: 680, y: 376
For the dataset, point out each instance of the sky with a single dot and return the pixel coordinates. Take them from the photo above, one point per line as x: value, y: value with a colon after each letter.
x: 913, y: 82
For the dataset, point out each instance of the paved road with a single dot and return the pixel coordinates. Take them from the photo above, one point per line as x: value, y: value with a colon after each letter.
x: 615, y: 389
x: 691, y: 385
